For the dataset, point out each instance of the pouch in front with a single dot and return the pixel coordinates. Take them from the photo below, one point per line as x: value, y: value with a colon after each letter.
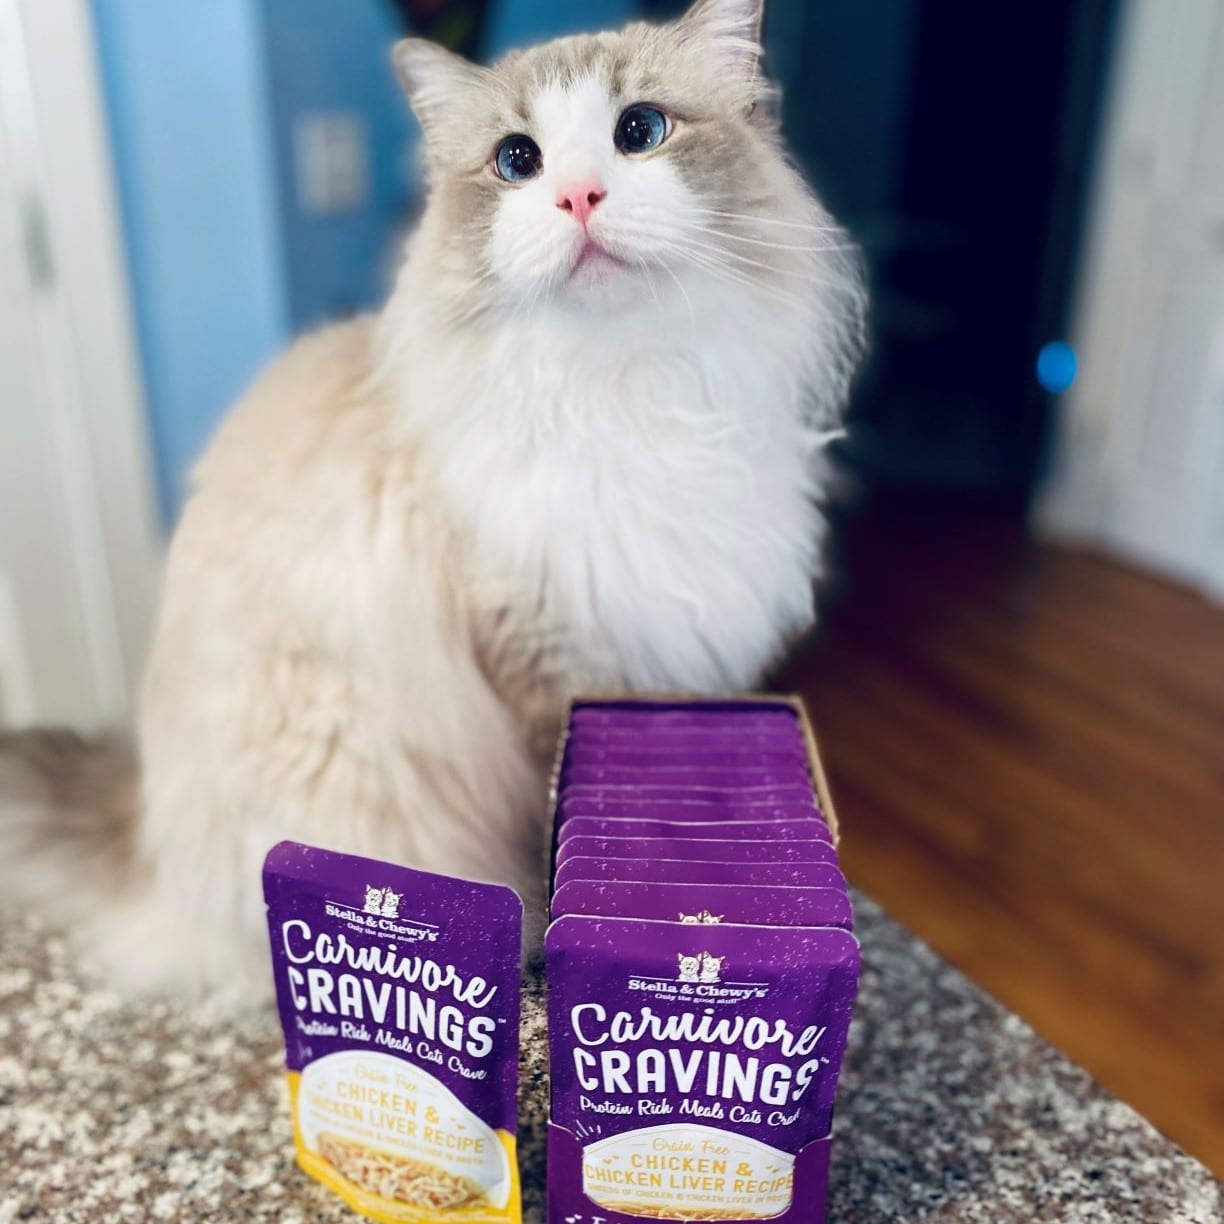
x: 694, y: 1068
x: 398, y: 993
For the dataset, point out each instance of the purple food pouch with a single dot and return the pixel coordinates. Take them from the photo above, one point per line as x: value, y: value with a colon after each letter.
x: 706, y: 903
x: 810, y: 850
x: 726, y: 807
x: 651, y: 754
x: 710, y: 773
x: 778, y: 793
x: 689, y: 715
x: 692, y: 871
x: 694, y: 1068
x: 398, y: 993
x: 723, y: 830
x: 741, y: 741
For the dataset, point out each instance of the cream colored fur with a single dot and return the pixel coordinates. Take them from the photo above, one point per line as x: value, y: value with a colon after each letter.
x: 417, y: 534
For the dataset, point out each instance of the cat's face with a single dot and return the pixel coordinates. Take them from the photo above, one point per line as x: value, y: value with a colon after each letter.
x: 601, y: 170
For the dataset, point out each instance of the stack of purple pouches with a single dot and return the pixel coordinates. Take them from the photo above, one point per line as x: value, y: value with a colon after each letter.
x: 693, y: 867
x: 681, y: 794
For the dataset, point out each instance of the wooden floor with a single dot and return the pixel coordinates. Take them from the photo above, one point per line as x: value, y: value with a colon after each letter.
x: 1026, y: 746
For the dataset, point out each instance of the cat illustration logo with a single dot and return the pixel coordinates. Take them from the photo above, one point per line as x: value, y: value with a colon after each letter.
x: 703, y: 917
x: 382, y: 901
x: 700, y: 968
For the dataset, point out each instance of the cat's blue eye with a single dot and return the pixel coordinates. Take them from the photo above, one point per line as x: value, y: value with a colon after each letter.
x: 517, y: 158
x: 641, y: 128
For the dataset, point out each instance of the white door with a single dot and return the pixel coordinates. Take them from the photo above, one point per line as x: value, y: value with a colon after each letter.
x: 47, y: 668
x: 78, y: 546
x: 1141, y: 466
x: 1171, y: 414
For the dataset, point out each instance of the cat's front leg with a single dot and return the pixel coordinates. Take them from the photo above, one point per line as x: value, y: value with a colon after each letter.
x: 534, y: 663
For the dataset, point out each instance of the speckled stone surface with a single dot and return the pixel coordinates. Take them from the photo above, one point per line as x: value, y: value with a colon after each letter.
x: 950, y: 1110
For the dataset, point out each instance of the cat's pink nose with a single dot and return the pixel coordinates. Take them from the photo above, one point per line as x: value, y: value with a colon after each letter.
x: 580, y: 199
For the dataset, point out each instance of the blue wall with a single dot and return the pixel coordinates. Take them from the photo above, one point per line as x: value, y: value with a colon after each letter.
x: 192, y: 142
x: 224, y: 265
x: 325, y: 55
x: 518, y: 23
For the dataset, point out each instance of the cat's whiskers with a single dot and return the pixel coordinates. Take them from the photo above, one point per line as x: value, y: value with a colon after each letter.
x: 749, y: 262
x: 645, y: 269
x: 763, y: 219
x: 807, y: 247
x: 708, y: 260
x: 716, y: 257
x: 722, y: 258
x: 683, y: 291
x: 811, y: 276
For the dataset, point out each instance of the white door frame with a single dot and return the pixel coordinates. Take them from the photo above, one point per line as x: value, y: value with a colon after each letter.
x: 53, y: 111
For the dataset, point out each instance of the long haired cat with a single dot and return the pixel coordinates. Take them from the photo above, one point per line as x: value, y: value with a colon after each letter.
x: 579, y: 450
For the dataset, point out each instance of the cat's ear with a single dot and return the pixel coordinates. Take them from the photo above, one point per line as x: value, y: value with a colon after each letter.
x: 439, y: 83
x: 732, y: 29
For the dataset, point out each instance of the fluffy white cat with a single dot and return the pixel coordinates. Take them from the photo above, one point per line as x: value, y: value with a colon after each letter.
x: 580, y: 449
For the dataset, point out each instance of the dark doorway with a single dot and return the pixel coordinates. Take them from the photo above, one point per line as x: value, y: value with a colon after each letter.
x: 956, y: 141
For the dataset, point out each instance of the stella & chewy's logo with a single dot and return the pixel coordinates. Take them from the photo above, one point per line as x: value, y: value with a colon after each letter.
x: 700, y: 976
x: 380, y: 911
x: 382, y: 901
x: 704, y: 967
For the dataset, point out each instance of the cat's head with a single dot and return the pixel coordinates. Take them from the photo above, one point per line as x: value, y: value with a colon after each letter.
x: 606, y: 171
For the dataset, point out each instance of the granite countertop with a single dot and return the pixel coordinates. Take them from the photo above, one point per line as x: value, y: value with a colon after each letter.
x: 950, y: 1110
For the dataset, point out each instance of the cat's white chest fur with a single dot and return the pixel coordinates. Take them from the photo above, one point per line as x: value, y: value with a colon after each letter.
x: 645, y: 484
